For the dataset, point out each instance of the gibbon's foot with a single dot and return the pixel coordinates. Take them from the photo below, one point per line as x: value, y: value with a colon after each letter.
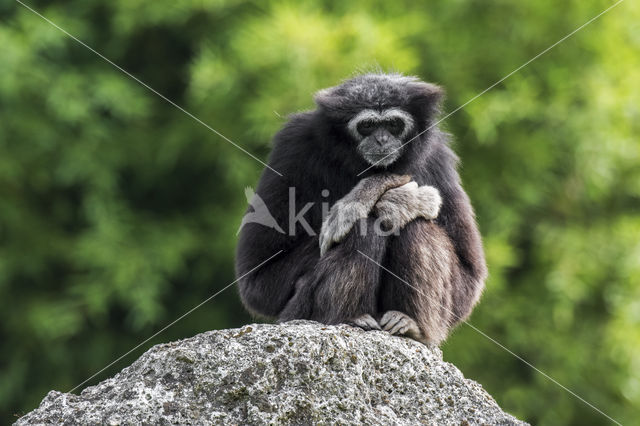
x: 365, y: 322
x: 401, y: 324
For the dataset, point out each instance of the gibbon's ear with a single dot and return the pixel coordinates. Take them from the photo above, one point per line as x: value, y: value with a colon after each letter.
x: 425, y: 99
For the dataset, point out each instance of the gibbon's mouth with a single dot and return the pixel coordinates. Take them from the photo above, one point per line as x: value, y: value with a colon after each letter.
x: 382, y: 159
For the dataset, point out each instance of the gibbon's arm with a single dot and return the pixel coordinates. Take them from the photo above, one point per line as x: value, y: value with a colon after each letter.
x: 456, y: 214
x: 356, y: 205
x: 458, y: 220
x: 266, y: 290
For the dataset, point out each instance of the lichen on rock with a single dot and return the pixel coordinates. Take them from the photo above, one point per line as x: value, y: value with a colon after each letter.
x: 299, y: 372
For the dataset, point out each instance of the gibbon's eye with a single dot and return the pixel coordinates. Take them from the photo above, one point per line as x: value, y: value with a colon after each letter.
x: 366, y: 127
x: 395, y: 126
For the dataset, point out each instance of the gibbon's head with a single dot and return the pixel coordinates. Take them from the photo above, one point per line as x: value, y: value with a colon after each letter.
x: 381, y: 112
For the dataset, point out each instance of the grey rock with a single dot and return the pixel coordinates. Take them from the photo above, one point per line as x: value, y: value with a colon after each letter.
x: 300, y: 372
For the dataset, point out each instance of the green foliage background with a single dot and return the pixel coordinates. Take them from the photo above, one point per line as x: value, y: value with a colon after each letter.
x: 118, y: 212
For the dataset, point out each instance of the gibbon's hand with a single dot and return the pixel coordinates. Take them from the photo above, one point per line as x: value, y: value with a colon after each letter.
x: 399, y: 206
x: 356, y: 205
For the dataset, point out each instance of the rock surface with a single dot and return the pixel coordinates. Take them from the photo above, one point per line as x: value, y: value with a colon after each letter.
x: 297, y: 373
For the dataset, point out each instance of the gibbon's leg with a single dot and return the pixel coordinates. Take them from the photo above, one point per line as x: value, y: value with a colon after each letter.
x: 345, y: 282
x: 348, y: 225
x: 415, y: 296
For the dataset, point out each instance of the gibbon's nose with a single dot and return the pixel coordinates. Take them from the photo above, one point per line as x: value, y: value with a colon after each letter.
x: 381, y: 137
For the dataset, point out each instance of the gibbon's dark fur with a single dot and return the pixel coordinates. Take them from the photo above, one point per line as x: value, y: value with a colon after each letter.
x: 442, y: 260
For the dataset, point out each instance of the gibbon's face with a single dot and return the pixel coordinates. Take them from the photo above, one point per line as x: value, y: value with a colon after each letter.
x: 380, y: 134
x: 380, y: 112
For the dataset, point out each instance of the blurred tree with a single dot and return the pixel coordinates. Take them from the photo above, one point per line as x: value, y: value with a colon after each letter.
x: 118, y: 212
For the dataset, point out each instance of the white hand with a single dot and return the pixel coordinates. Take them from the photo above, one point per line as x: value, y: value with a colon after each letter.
x: 399, y: 206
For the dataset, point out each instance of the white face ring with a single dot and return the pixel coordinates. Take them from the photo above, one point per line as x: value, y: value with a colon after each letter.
x: 378, y: 117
